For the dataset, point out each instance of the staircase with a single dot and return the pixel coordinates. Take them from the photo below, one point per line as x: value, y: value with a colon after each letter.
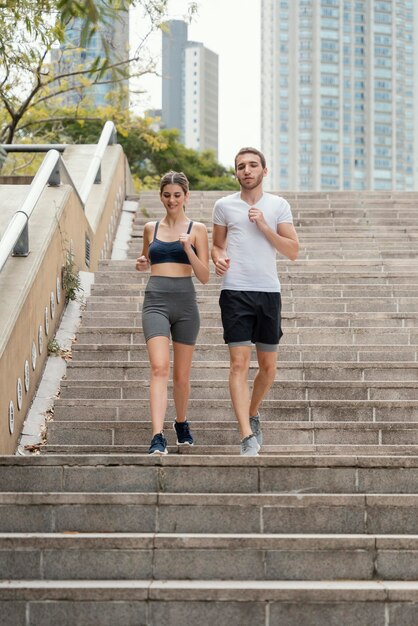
x: 320, y: 530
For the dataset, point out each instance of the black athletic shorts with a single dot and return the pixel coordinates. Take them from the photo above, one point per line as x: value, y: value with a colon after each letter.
x: 251, y: 317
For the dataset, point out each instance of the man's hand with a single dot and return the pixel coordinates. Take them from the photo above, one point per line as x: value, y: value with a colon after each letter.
x: 222, y: 266
x: 141, y: 264
x: 257, y: 216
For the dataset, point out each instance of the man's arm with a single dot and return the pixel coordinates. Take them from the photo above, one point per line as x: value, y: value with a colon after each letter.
x: 218, y: 253
x: 285, y: 241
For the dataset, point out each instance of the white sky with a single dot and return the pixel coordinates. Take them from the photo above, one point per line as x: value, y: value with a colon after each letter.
x: 231, y: 28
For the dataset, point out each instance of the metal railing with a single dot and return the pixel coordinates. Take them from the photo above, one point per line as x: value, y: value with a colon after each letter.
x: 16, y: 237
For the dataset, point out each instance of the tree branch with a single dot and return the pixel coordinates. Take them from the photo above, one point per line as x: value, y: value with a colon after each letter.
x: 58, y: 119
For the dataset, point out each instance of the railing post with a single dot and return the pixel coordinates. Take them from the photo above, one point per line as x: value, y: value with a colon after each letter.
x: 21, y: 247
x: 55, y: 179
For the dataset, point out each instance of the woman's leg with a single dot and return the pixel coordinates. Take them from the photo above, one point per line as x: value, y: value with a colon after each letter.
x: 182, y: 363
x: 159, y: 357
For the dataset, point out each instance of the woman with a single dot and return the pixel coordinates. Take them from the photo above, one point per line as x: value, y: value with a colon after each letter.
x: 175, y: 248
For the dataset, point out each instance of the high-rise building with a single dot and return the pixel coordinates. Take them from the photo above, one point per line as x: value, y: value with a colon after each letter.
x: 71, y: 57
x: 174, y: 35
x: 339, y: 81
x: 189, y: 88
x: 200, y: 98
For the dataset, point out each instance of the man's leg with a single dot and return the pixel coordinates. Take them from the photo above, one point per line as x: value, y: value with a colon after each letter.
x: 238, y: 386
x: 267, y: 363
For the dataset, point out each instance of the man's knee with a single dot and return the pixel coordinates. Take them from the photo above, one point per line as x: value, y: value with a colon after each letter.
x: 268, y: 366
x: 240, y: 362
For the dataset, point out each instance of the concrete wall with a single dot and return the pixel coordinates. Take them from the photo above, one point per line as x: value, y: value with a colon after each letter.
x: 30, y: 300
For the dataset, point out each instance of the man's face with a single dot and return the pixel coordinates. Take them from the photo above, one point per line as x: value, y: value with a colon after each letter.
x: 249, y: 171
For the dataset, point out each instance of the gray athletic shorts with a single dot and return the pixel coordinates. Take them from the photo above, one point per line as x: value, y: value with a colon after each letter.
x: 170, y: 306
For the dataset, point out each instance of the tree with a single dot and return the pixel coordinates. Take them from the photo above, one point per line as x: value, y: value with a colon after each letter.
x: 30, y: 32
x: 150, y: 153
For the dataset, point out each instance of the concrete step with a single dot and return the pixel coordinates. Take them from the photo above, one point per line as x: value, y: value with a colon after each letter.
x: 321, y: 265
x: 328, y: 212
x: 287, y: 353
x: 313, y: 289
x: 289, y: 319
x: 228, y: 450
x: 381, y: 336
x: 218, y: 389
x: 308, y: 287
x: 332, y: 251
x: 296, y: 304
x: 324, y: 239
x: 219, y: 370
x: 303, y: 472
x: 223, y: 433
x: 153, y: 512
x: 167, y: 556
x: 273, y: 410
x: 225, y: 603
x: 307, y: 273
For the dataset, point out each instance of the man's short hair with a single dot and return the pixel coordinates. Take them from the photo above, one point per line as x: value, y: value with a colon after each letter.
x: 253, y: 151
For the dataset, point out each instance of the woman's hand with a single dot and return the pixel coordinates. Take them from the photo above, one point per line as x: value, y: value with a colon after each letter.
x: 186, y: 241
x: 142, y: 263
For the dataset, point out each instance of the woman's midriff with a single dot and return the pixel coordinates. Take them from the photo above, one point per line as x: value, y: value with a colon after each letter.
x: 173, y: 270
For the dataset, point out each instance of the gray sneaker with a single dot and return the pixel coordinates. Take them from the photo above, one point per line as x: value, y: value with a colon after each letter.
x: 255, y: 427
x: 249, y: 446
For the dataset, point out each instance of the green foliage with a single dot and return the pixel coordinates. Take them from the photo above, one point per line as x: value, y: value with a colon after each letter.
x: 71, y: 282
x: 34, y: 52
x: 32, y: 90
x: 53, y: 347
x: 150, y: 153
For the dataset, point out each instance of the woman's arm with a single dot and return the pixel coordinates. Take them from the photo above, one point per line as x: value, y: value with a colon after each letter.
x: 199, y: 260
x: 142, y: 262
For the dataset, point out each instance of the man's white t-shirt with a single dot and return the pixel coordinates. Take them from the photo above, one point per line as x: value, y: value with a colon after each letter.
x: 253, y: 258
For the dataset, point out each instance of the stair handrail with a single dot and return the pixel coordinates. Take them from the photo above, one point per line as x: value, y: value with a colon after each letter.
x: 16, y: 236
x: 93, y: 176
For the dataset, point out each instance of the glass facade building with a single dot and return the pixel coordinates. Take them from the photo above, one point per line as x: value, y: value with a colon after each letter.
x: 71, y: 58
x: 338, y: 85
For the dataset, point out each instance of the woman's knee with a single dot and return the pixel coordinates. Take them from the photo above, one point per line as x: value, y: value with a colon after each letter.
x: 181, y: 378
x: 160, y: 370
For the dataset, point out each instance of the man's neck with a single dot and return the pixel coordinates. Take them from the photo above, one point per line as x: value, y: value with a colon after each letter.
x: 252, y: 196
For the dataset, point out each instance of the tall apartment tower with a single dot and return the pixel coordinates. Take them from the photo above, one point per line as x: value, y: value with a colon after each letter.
x: 339, y: 79
x: 72, y: 58
x: 189, y: 88
x: 200, y: 98
x: 174, y: 42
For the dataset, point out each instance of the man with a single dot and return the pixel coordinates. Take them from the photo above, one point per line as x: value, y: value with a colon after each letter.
x: 249, y: 228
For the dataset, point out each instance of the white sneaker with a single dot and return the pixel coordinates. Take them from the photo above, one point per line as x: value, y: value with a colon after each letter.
x: 256, y: 428
x: 250, y: 446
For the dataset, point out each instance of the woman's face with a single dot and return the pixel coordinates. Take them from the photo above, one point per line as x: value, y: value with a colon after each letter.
x: 173, y: 197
